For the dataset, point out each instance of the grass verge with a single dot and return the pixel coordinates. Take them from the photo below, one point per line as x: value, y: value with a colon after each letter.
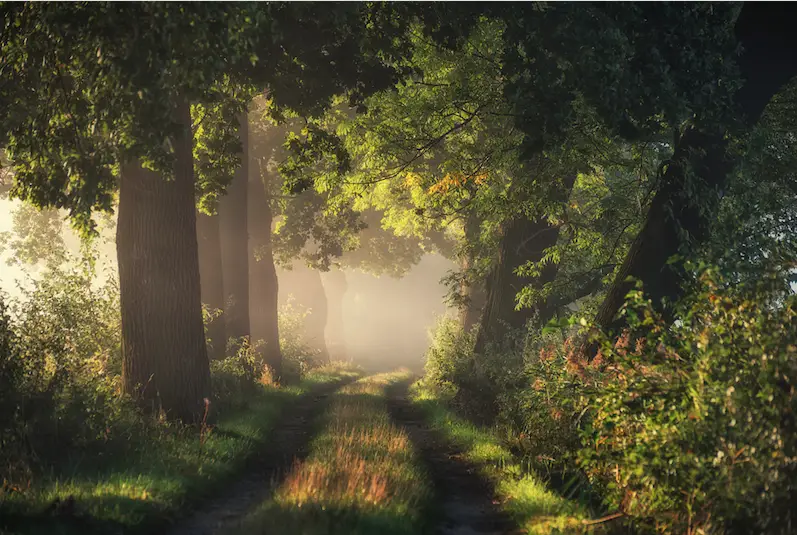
x: 361, y: 477
x: 522, y: 495
x: 158, y: 476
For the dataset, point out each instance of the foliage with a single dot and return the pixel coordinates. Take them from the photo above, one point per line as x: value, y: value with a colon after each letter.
x: 61, y: 365
x: 544, y: 415
x: 693, y: 427
x: 472, y: 380
x: 449, y: 359
x: 756, y: 226
x: 522, y: 492
x: 298, y: 356
x: 37, y: 237
x: 235, y: 378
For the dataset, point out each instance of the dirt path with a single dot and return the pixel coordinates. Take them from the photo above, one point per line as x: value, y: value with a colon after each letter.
x: 290, y: 440
x: 464, y: 499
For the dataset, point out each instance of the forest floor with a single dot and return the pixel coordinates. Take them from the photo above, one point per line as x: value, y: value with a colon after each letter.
x: 374, y: 455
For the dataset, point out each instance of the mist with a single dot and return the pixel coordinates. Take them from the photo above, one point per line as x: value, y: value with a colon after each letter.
x: 381, y: 322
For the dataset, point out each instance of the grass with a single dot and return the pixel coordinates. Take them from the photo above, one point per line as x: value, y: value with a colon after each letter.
x: 162, y: 475
x: 524, y: 496
x: 361, y: 477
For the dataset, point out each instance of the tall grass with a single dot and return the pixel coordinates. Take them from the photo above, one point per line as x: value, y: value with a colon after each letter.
x: 522, y: 494
x: 361, y: 477
x: 161, y: 473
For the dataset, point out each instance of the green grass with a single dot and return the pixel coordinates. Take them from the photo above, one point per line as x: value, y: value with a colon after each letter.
x: 159, y: 475
x: 525, y: 497
x: 361, y: 477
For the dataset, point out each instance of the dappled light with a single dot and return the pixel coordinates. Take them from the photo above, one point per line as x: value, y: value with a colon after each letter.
x: 398, y: 268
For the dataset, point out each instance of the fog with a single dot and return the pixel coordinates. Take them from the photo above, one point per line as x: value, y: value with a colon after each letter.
x: 15, y: 275
x: 384, y: 321
x: 379, y: 322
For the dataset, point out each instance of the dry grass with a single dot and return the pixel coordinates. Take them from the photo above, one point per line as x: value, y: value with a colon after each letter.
x: 361, y: 477
x: 162, y: 475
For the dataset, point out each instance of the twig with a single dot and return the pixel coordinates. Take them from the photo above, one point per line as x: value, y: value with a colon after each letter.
x: 602, y: 520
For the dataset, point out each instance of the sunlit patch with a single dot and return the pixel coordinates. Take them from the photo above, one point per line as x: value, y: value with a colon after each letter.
x: 527, y: 499
x: 362, y: 467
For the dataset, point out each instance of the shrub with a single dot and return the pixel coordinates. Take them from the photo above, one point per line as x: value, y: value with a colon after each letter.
x: 60, y: 362
x: 297, y: 355
x: 694, y: 430
x: 235, y: 377
x: 473, y: 383
x: 544, y: 413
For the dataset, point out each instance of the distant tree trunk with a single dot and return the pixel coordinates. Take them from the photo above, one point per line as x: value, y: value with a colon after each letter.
x: 335, y: 287
x: 316, y: 322
x: 522, y: 241
x: 210, y: 276
x: 164, y: 358
x: 235, y: 244
x: 768, y: 61
x: 263, y: 273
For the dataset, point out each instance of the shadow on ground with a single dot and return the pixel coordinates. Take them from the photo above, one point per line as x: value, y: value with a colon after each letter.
x: 464, y: 500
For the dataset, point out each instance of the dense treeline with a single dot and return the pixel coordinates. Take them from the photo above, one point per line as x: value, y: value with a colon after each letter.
x: 615, y: 181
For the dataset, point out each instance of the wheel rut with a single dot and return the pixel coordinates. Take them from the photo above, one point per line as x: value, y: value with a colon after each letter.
x: 464, y: 499
x: 290, y: 441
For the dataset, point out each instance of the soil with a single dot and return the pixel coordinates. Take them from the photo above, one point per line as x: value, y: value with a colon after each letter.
x: 289, y: 443
x: 465, y: 501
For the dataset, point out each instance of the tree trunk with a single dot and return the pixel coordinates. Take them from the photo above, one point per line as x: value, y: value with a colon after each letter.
x: 335, y: 287
x: 475, y: 296
x: 522, y: 241
x: 264, y: 287
x: 211, y: 279
x: 316, y: 322
x: 768, y: 61
x: 164, y: 358
x: 235, y: 244
x: 472, y: 290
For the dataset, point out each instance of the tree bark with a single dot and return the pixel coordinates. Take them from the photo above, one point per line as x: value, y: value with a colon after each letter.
x: 472, y: 290
x: 233, y: 221
x: 211, y: 279
x: 335, y: 287
x: 677, y: 224
x: 164, y: 358
x: 522, y: 240
x: 316, y: 323
x: 264, y: 286
x: 475, y: 296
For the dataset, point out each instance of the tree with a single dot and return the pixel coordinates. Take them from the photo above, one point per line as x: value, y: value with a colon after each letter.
x: 233, y: 223
x: 263, y: 283
x: 212, y: 281
x: 678, y: 222
x: 106, y: 95
x: 159, y: 285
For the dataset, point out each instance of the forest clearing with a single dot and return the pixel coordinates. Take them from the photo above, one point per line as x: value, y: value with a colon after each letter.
x: 295, y: 268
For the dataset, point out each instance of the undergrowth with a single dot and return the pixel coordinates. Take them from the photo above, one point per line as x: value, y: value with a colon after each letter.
x: 684, y: 426
x: 159, y: 474
x: 522, y: 493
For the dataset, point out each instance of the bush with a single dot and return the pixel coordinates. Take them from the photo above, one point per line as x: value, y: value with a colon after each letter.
x: 693, y: 429
x: 297, y: 355
x: 60, y: 362
x: 474, y: 383
x: 544, y: 414
x: 235, y: 377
